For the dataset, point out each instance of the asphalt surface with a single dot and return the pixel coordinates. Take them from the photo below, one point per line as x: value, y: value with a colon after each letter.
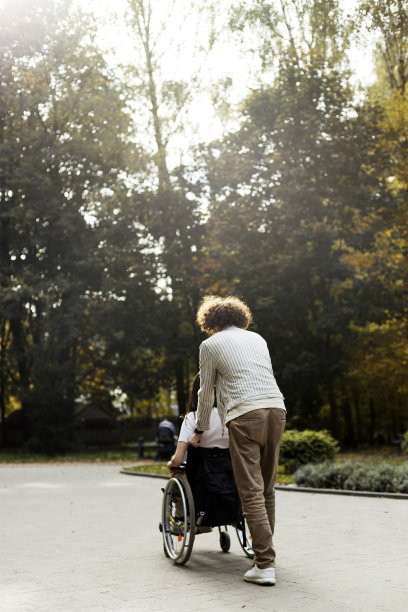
x: 83, y: 537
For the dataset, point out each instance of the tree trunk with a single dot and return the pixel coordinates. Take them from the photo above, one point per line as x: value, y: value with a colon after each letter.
x: 334, y: 418
x: 356, y: 402
x: 180, y: 387
x: 161, y: 155
x: 372, y: 421
x: 3, y: 412
x: 20, y: 352
x: 3, y: 378
x: 348, y: 422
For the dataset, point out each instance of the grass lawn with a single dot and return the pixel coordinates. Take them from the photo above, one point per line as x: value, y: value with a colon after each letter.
x: 374, y: 456
x: 150, y: 468
x: 126, y: 453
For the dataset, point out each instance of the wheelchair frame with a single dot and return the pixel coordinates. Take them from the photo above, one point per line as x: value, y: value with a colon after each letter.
x: 179, y: 522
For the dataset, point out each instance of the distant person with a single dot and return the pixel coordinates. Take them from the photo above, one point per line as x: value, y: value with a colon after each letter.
x: 251, y: 405
x: 166, y: 439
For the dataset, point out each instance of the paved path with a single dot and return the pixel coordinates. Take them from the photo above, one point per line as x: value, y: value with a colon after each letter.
x: 85, y: 538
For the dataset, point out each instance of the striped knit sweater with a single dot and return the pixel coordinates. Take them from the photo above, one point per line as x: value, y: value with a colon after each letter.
x: 237, y: 363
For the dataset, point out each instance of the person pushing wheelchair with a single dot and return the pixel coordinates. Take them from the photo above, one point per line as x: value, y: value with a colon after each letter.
x: 237, y: 362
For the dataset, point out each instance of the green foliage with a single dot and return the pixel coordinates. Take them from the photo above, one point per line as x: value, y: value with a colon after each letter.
x: 388, y: 19
x: 62, y: 140
x: 289, y: 188
x: 354, y: 476
x: 306, y: 227
x: 301, y: 210
x: 90, y: 454
x: 325, y: 475
x: 301, y: 447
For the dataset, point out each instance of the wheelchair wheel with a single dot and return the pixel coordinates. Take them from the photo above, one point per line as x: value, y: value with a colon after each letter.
x: 225, y: 541
x: 244, y: 538
x: 178, y: 520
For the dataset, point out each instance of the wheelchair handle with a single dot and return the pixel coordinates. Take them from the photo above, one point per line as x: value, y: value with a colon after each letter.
x: 180, y: 469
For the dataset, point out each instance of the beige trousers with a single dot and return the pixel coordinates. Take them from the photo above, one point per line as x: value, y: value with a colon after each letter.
x: 254, y: 446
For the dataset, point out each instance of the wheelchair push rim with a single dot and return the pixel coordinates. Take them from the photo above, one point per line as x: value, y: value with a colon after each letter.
x: 178, y: 520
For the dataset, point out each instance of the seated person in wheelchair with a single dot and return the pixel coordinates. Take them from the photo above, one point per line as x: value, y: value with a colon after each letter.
x: 208, y: 468
x: 212, y: 438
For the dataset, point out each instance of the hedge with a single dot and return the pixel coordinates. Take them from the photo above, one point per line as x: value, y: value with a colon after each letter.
x: 301, y: 447
x: 354, y: 476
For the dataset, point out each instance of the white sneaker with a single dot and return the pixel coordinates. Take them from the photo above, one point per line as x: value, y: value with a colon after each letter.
x: 261, y: 576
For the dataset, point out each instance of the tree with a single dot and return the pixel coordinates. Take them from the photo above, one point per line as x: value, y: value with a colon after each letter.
x: 298, y: 28
x: 289, y: 190
x: 64, y: 122
x: 388, y: 20
x: 170, y: 214
x: 378, y: 358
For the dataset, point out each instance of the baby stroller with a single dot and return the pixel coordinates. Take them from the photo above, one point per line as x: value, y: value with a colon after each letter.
x: 202, y: 493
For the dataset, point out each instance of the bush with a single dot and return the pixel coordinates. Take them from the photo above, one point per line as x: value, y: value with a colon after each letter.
x: 405, y: 443
x: 324, y: 475
x: 301, y: 447
x: 354, y: 476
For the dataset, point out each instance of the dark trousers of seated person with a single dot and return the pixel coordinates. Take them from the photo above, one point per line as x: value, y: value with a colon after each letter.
x: 254, y: 443
x: 210, y: 475
x: 192, y: 465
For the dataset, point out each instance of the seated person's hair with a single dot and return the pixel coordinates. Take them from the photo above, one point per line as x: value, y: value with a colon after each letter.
x: 192, y: 402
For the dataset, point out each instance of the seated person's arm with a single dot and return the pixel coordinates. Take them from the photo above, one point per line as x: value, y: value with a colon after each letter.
x: 178, y: 456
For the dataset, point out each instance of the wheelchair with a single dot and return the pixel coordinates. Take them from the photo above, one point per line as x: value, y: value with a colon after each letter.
x: 180, y: 520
